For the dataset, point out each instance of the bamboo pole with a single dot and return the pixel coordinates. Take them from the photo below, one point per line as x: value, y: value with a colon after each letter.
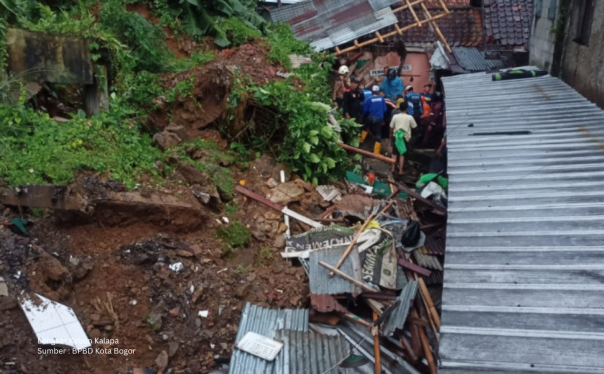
x: 366, y: 153
x: 436, y: 28
x: 352, y: 243
x: 426, y: 347
x: 376, y: 348
x: 428, y: 303
x: 343, y: 275
x: 413, y: 13
x: 392, y: 33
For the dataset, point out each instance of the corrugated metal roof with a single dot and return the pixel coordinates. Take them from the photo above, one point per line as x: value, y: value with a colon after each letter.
x: 326, y: 304
x: 296, y: 12
x: 524, y: 269
x: 264, y: 322
x: 397, y: 319
x: 426, y: 260
x: 471, y: 59
x: 362, y: 340
x: 319, y: 280
x: 327, y: 24
x: 310, y: 352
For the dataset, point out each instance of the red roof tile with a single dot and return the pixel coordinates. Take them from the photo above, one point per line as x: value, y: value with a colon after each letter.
x: 462, y: 27
x: 508, y: 22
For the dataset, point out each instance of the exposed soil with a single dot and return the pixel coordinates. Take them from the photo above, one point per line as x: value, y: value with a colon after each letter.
x: 157, y: 308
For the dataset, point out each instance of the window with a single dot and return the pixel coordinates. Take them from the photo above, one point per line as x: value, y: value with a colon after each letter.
x: 553, y: 7
x: 538, y: 6
x: 584, y: 20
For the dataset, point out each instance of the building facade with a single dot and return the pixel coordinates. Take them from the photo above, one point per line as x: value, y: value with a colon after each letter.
x: 567, y: 40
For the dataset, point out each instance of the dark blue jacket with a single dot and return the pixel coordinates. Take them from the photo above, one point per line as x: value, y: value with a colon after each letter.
x: 375, y: 106
x: 415, y: 102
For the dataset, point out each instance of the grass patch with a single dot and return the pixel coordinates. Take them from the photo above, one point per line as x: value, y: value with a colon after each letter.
x: 242, y: 270
x: 231, y: 208
x: 265, y: 256
x: 235, y: 234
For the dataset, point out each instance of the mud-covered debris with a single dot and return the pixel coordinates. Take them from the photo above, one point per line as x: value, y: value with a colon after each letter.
x: 52, y: 268
x: 271, y: 183
x: 193, y: 175
x: 162, y: 362
x: 173, y: 348
x: 7, y: 303
x: 279, y: 242
x: 179, y: 131
x: 80, y: 267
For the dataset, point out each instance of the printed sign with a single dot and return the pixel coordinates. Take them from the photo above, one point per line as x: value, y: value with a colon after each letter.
x: 380, y: 72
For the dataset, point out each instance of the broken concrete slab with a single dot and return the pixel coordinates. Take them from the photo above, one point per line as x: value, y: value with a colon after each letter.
x: 285, y: 193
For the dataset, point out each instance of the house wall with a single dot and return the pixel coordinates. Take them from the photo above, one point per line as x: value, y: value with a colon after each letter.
x: 583, y: 66
x: 420, y: 71
x: 542, y: 42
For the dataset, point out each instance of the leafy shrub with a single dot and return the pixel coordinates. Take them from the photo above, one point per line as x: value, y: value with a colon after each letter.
x: 36, y: 149
x: 237, y: 31
x: 283, y: 43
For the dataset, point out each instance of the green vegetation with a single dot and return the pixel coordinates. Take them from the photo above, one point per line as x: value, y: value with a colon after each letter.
x: 265, y: 256
x: 115, y: 143
x: 242, y: 270
x: 234, y: 234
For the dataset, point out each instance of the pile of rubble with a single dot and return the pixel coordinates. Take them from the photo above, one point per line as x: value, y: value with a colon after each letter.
x: 374, y: 263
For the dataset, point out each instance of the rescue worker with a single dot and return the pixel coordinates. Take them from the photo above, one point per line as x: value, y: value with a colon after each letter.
x: 414, y: 101
x: 374, y: 109
x: 401, y: 126
x: 353, y: 101
x: 392, y: 85
x: 340, y: 85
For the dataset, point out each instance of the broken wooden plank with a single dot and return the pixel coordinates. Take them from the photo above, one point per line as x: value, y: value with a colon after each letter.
x: 366, y: 153
x: 283, y: 209
x: 415, y: 195
x: 352, y: 243
x: 413, y: 267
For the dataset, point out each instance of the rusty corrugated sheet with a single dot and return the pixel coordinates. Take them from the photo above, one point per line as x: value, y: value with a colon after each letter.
x: 397, y: 318
x: 319, y: 280
x: 435, y: 244
x: 39, y: 57
x: 326, y: 304
x: 427, y: 261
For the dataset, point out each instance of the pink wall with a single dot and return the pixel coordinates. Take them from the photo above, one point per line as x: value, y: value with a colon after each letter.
x: 420, y: 70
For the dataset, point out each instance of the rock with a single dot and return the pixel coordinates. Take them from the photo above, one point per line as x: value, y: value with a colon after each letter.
x: 272, y: 183
x: 183, y: 253
x: 207, y: 195
x: 52, y: 268
x: 82, y: 268
x: 172, y: 348
x: 95, y: 333
x: 193, y: 175
x: 243, y: 291
x: 166, y: 140
x: 162, y: 362
x: 197, y: 250
x: 197, y: 294
x: 108, y: 328
x: 259, y: 235
x: 7, y: 303
x: 279, y: 242
x: 285, y: 193
x: 179, y: 131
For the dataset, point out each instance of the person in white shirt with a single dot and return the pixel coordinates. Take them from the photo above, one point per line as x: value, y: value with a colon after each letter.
x: 400, y: 135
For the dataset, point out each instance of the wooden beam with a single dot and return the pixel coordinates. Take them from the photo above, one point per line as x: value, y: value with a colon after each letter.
x: 352, y: 243
x: 398, y: 29
x: 388, y: 35
x: 419, y: 24
x: 444, y: 6
x: 377, y: 34
x: 401, y: 8
x: 436, y: 28
x: 414, y: 268
x: 377, y: 369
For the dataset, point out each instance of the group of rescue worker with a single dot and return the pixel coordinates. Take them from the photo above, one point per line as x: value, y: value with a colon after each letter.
x: 392, y: 111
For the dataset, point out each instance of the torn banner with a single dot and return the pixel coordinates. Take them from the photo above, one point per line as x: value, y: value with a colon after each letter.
x: 316, y: 239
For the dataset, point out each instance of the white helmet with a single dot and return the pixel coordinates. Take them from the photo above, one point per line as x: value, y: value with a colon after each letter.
x: 343, y: 70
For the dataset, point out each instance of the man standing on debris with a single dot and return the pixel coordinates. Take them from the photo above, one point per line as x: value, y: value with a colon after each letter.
x: 374, y: 109
x: 353, y: 101
x: 400, y: 134
x: 392, y: 85
x: 339, y: 87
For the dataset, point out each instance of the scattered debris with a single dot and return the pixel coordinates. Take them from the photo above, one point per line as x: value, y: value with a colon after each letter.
x: 260, y: 346
x: 177, y: 266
